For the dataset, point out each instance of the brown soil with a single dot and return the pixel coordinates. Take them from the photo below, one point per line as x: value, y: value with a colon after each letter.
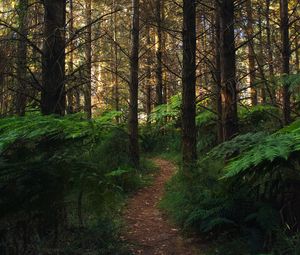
x: 148, y: 231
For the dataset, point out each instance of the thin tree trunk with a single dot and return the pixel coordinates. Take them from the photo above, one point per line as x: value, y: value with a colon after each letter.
x: 159, y: 71
x: 134, y: 84
x: 269, y: 42
x: 270, y: 51
x: 53, y: 99
x: 251, y: 53
x: 260, y: 63
x: 189, y: 151
x: 284, y: 29
x: 88, y: 56
x: 218, y: 102
x: 148, y: 84
x: 70, y: 93
x: 228, y: 70
x: 116, y: 67
x: 22, y: 58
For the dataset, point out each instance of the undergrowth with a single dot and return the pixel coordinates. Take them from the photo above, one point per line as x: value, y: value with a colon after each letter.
x: 243, y: 194
x: 62, y: 184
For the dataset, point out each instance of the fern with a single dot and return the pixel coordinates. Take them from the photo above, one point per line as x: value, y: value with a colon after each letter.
x: 273, y: 148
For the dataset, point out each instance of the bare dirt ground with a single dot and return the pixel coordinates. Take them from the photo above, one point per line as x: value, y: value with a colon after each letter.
x: 148, y: 230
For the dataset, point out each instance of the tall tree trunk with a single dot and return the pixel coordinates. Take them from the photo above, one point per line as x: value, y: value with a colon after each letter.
x: 53, y: 93
x: 116, y: 67
x: 70, y: 93
x: 284, y: 29
x: 260, y: 63
x: 269, y: 41
x: 148, y: 84
x: 218, y: 97
x: 159, y: 71
x: 228, y: 70
x: 134, y: 85
x: 251, y: 52
x: 88, y: 57
x: 189, y: 151
x: 22, y: 58
x: 270, y: 51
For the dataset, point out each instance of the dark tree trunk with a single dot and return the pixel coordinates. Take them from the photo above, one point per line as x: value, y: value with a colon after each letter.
x: 228, y: 70
x: 88, y: 56
x: 269, y: 42
x: 70, y: 93
x: 284, y: 29
x: 134, y: 85
x: 148, y: 85
x: 22, y: 58
x: 297, y: 60
x: 218, y: 97
x: 270, y: 52
x: 189, y: 84
x: 116, y: 67
x: 260, y: 62
x: 53, y: 99
x: 159, y: 71
x: 251, y: 52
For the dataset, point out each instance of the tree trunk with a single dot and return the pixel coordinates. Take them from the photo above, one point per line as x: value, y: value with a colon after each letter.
x: 189, y: 151
x: 133, y: 86
x: 53, y: 72
x: 70, y: 93
x: 116, y: 67
x: 269, y: 42
x: 260, y: 63
x: 88, y: 57
x: 251, y: 53
x: 148, y: 83
x: 284, y: 29
x: 22, y: 58
x: 159, y: 71
x: 218, y: 97
x: 270, y: 51
x: 228, y: 70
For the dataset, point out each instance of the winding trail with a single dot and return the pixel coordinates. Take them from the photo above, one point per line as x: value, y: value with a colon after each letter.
x: 148, y: 231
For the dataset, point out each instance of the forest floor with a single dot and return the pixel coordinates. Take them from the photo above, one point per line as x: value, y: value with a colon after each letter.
x: 148, y: 231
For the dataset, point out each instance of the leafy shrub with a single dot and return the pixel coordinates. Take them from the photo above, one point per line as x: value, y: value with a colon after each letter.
x: 259, y: 118
x: 57, y: 173
x: 246, y: 187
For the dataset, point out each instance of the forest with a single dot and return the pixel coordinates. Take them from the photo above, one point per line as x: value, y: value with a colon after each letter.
x: 149, y: 127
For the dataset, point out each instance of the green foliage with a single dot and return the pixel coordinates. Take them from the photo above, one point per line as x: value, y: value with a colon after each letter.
x: 167, y: 114
x: 53, y: 169
x: 246, y: 188
x: 267, y: 153
x: 206, y: 122
x: 259, y: 118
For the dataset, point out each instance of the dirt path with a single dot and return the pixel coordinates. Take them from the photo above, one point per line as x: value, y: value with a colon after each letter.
x: 149, y: 232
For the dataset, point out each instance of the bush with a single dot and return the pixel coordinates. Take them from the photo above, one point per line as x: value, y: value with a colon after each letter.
x: 245, y: 189
x: 58, y: 174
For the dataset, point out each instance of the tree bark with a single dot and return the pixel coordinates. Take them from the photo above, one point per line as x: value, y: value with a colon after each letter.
x: 148, y: 84
x: 88, y: 57
x: 270, y: 51
x: 284, y: 29
x: 70, y: 93
x: 228, y: 70
x: 53, y: 71
x: 218, y: 86
x: 22, y: 58
x: 251, y: 53
x: 159, y: 70
x: 189, y: 151
x: 134, y: 84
